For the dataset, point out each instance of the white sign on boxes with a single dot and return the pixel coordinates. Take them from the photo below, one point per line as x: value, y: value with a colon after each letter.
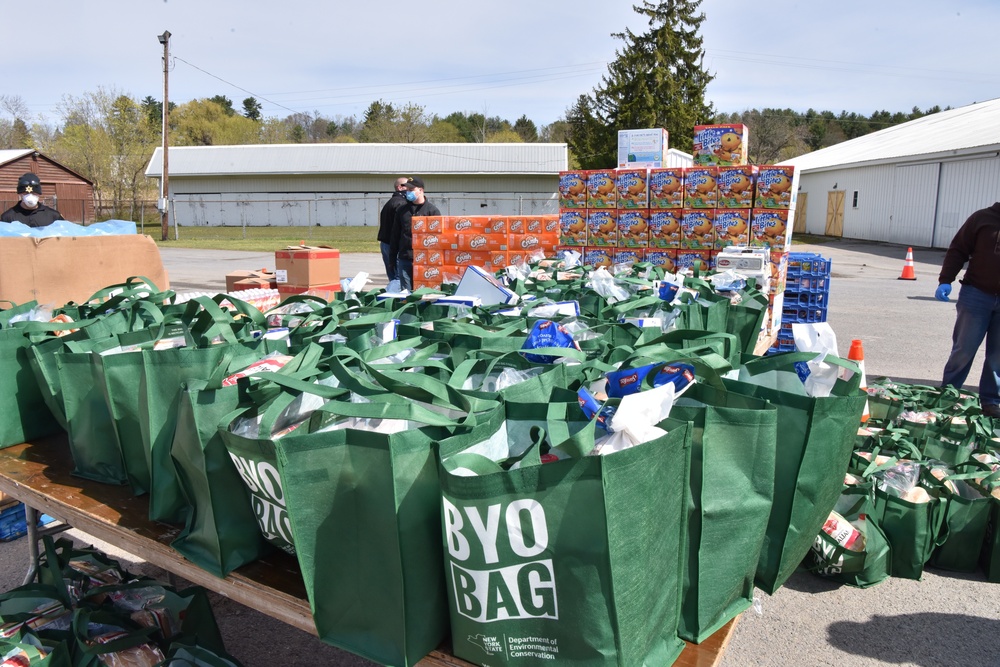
x: 642, y: 149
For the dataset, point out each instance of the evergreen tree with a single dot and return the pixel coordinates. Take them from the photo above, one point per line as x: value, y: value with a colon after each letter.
x: 526, y: 129
x: 657, y: 78
x: 225, y: 103
x: 592, y: 144
x: 251, y: 108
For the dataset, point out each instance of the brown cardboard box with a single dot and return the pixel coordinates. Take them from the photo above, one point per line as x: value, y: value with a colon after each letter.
x: 59, y: 269
x: 250, y: 279
x: 304, y: 266
x: 327, y: 292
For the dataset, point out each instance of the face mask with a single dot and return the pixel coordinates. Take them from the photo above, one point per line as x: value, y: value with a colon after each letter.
x: 411, y: 195
x: 30, y: 201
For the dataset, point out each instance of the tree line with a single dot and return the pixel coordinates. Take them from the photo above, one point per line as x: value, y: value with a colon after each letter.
x: 657, y: 79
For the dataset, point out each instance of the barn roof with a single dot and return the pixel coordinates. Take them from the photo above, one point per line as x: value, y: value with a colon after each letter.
x: 964, y: 131
x: 394, y: 159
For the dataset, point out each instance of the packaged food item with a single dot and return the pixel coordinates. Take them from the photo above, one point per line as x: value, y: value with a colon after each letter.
x: 546, y: 333
x: 631, y: 187
x: 572, y: 189
x: 723, y: 144
x: 844, y: 532
x: 700, y: 187
x: 633, y: 228
x: 666, y: 188
x: 602, y: 189
x: 268, y: 364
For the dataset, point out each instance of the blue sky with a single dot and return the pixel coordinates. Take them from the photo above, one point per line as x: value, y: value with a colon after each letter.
x: 531, y: 57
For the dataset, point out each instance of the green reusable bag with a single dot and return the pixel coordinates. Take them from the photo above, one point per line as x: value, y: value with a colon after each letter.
x: 575, y: 561
x: 728, y: 503
x: 97, y: 635
x: 360, y: 508
x: 745, y: 318
x: 813, y: 450
x: 25, y: 415
x: 221, y: 532
x: 860, y: 569
x: 968, y: 515
x: 989, y: 557
x: 26, y: 650
x: 914, y: 530
x: 191, y: 655
x: 90, y: 424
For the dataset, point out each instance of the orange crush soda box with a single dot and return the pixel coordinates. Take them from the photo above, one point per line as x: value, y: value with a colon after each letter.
x: 428, y: 257
x: 481, y: 241
x: 482, y: 224
x: 429, y: 240
x: 431, y: 224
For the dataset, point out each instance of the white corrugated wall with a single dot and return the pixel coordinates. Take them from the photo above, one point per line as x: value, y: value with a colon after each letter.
x: 909, y: 203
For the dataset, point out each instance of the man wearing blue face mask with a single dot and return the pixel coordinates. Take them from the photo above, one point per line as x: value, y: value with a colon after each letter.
x: 401, y: 243
x: 29, y: 210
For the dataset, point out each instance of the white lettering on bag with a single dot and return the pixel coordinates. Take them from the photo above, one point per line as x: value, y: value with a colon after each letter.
x: 268, y: 500
x: 518, y: 590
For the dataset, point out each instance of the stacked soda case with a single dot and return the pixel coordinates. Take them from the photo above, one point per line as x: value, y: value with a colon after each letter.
x: 807, y: 295
x: 443, y: 246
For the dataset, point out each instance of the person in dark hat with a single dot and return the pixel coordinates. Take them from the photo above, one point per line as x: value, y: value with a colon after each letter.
x: 386, y: 219
x: 401, y: 244
x: 30, y: 210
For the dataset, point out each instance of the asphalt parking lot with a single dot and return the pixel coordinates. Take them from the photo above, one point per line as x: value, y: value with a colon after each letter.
x: 945, y: 619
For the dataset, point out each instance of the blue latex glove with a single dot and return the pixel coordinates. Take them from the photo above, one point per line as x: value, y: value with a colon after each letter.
x: 943, y: 290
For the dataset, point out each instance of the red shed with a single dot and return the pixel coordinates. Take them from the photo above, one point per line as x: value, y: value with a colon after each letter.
x: 62, y: 188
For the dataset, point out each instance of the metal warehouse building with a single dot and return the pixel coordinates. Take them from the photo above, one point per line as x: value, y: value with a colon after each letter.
x: 347, y: 184
x: 912, y: 184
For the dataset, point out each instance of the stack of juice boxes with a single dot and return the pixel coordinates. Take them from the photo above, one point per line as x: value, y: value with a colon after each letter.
x: 443, y: 246
x: 679, y: 217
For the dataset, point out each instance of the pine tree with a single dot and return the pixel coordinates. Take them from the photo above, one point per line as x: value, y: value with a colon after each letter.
x: 657, y: 78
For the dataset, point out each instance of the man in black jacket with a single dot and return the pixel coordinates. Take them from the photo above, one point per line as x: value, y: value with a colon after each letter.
x: 978, y: 243
x: 29, y: 210
x: 385, y: 220
x: 401, y: 245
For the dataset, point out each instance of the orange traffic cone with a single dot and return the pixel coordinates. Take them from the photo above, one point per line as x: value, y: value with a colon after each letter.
x: 908, y: 273
x: 857, y: 355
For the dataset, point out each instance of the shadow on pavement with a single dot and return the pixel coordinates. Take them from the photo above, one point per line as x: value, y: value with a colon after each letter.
x: 920, y: 639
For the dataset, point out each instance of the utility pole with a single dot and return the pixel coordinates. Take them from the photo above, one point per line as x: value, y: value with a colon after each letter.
x: 164, y: 178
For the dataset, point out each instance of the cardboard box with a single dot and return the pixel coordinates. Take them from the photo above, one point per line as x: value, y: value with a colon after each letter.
x: 720, y: 144
x: 777, y: 187
x: 701, y: 187
x: 474, y: 224
x: 241, y: 280
x: 307, y: 266
x: 732, y: 227
x: 633, y: 228
x: 327, y: 292
x: 426, y: 224
x: 642, y: 149
x: 572, y: 189
x: 602, y: 228
x: 665, y: 229
x: 632, y: 188
x: 771, y: 228
x: 573, y: 227
x: 666, y: 188
x: 665, y: 259
x: 480, y: 283
x: 698, y: 229
x: 56, y: 270
x: 602, y: 189
x: 736, y: 186
x: 596, y: 257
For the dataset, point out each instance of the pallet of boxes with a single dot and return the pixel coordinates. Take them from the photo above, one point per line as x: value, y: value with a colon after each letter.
x: 679, y: 217
x: 445, y: 246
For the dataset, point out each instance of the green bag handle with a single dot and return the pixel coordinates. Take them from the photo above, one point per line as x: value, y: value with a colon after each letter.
x: 577, y: 445
x: 786, y: 362
x: 415, y: 386
x: 477, y: 463
x: 136, y: 635
x: 389, y: 407
x: 990, y: 477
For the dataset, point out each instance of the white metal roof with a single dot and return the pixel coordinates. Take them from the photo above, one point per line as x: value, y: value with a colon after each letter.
x: 970, y: 129
x: 11, y: 154
x: 416, y: 159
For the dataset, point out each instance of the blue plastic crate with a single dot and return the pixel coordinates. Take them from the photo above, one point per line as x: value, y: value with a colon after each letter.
x: 813, y: 299
x: 13, y: 524
x: 808, y: 263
